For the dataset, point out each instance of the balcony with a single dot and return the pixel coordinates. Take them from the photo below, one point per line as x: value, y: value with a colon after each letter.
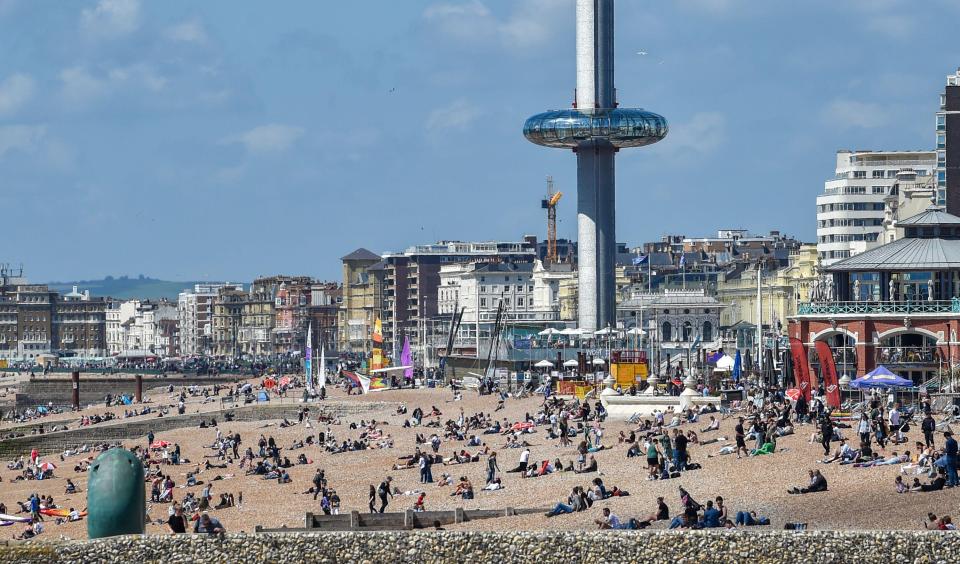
x: 897, y: 356
x: 879, y: 308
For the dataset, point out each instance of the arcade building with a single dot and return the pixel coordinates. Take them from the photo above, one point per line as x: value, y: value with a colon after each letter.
x: 896, y: 305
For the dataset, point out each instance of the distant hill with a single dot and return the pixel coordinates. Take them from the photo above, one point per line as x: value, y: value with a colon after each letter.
x: 127, y: 288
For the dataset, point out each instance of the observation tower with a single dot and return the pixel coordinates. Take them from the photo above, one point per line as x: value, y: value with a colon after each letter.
x: 595, y: 129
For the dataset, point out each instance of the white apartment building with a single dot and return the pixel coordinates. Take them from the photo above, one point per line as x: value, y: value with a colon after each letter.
x: 530, y: 294
x: 135, y: 326
x: 195, y: 312
x: 850, y: 212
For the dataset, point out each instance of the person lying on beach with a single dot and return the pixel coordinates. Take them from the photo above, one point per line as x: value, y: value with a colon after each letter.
x: 818, y: 483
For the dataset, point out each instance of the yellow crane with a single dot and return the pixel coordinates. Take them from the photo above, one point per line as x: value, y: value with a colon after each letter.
x: 550, y: 204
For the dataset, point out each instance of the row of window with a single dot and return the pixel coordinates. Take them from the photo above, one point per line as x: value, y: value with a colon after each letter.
x: 848, y: 237
x: 850, y: 206
x: 856, y: 222
x: 686, y: 332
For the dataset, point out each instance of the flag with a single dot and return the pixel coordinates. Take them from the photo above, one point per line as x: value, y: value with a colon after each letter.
x: 683, y: 260
x: 696, y: 342
x: 378, y: 331
x: 308, y: 357
x: 406, y: 359
x: 322, y: 373
x: 737, y: 366
x: 640, y: 259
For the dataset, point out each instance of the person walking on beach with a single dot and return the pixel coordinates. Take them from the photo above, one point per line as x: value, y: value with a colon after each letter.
x: 383, y: 491
x: 372, y: 503
x: 492, y: 467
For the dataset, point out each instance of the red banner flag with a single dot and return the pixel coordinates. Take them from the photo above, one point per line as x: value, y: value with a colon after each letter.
x: 801, y: 369
x: 829, y: 372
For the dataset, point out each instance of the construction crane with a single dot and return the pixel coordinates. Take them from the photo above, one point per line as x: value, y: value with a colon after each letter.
x: 550, y: 204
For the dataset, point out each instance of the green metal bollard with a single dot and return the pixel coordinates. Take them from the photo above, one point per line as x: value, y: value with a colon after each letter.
x: 116, y: 502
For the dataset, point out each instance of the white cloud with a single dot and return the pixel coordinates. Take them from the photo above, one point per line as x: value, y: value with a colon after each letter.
x: 895, y: 26
x: 852, y: 113
x: 703, y: 133
x: 270, y: 138
x: 111, y: 19
x: 80, y: 88
x: 531, y: 23
x: 456, y: 115
x: 189, y: 31
x: 15, y: 91
x: 25, y: 138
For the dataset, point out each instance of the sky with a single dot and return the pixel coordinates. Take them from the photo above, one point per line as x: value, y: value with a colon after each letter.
x: 230, y: 139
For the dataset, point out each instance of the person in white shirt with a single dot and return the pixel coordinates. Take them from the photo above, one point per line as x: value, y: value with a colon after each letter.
x: 895, y: 422
x: 524, y: 458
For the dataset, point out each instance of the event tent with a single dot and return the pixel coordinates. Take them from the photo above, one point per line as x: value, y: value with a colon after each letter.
x: 880, y: 377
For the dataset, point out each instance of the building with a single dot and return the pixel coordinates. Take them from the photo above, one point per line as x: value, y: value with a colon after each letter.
x: 850, y: 212
x: 36, y: 321
x: 195, y: 311
x: 911, y: 195
x: 596, y: 128
x: 948, y: 146
x: 137, y: 327
x: 412, y: 279
x: 325, y: 301
x: 673, y: 319
x: 227, y: 313
x: 897, y: 304
x: 362, y: 299
x: 528, y: 292
x: 781, y: 290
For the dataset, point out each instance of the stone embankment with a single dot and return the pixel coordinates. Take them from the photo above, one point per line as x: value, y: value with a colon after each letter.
x: 505, y: 547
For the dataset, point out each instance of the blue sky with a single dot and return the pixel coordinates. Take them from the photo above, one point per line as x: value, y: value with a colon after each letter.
x: 227, y: 139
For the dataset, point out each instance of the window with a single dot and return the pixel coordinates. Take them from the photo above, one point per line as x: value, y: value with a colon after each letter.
x: 859, y: 174
x: 665, y: 331
x: 877, y: 174
x: 941, y: 140
x: 520, y: 302
x: 530, y: 287
x: 519, y: 287
x: 707, y: 331
x: 483, y: 289
x: 483, y: 302
x: 879, y: 189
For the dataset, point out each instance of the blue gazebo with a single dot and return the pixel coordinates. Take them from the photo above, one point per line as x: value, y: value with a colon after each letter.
x: 881, y: 378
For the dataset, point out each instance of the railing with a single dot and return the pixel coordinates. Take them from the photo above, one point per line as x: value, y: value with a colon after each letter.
x: 907, y: 355
x: 845, y: 308
x: 842, y: 356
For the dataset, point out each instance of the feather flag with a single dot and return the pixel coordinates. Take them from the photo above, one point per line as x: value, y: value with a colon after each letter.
x: 406, y: 359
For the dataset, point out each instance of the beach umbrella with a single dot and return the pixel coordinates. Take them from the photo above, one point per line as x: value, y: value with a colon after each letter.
x: 549, y: 331
x: 572, y: 363
x: 725, y: 363
x: 605, y: 331
x: 269, y: 383
x: 544, y: 364
x: 793, y: 393
x: 47, y: 466
x: 159, y: 444
x: 598, y: 361
x: 636, y: 331
x: 737, y: 366
x: 285, y: 381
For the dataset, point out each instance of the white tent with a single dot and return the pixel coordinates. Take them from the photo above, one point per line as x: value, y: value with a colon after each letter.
x: 572, y: 363
x: 598, y: 361
x: 544, y: 364
x: 636, y: 331
x: 572, y: 331
x: 725, y: 364
x: 549, y: 331
x: 605, y: 331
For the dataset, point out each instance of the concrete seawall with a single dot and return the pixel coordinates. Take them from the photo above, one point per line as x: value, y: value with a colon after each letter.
x: 506, y: 547
x: 58, y: 390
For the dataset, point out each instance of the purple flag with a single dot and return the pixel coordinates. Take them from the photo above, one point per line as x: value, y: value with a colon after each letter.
x: 406, y: 359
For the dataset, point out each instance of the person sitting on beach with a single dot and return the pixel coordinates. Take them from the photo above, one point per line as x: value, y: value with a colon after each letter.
x: 608, y: 520
x: 936, y: 484
x: 493, y: 486
x: 713, y: 426
x: 900, y: 486
x: 818, y: 483
x: 750, y: 519
x: 590, y: 467
x: 576, y: 501
x: 711, y: 517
